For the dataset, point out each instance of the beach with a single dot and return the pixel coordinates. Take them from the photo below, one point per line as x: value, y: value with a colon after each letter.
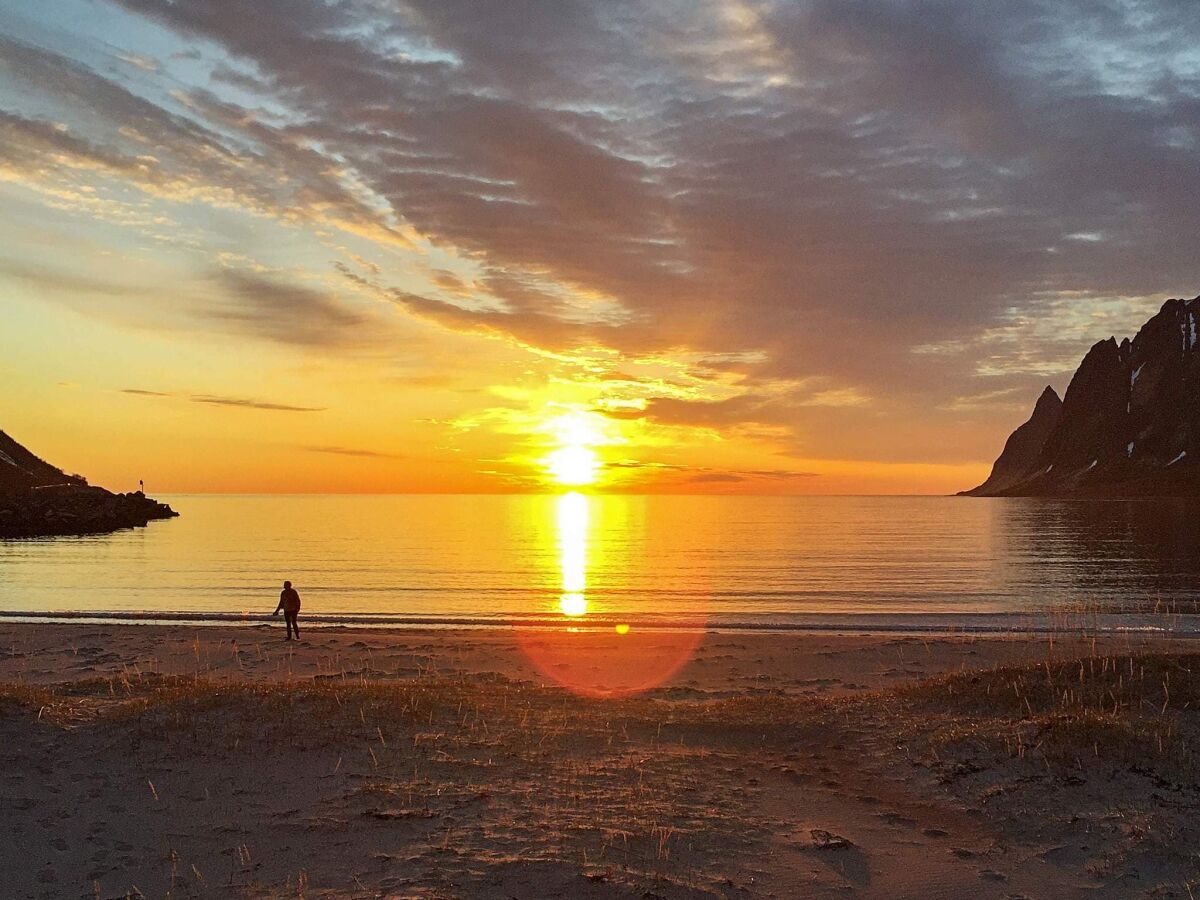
x: 224, y: 761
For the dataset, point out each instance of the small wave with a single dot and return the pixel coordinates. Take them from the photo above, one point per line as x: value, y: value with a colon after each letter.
x: 1177, y: 625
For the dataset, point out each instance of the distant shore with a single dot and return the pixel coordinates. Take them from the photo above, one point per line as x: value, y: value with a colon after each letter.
x: 412, y: 762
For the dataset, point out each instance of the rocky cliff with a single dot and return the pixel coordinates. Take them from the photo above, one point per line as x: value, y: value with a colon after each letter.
x: 21, y: 469
x: 1128, y: 425
x: 40, y: 500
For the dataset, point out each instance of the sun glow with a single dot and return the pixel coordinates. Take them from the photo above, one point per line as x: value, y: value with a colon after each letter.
x: 573, y: 466
x: 574, y: 462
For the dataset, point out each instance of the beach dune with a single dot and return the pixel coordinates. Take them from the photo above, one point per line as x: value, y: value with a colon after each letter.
x: 222, y: 761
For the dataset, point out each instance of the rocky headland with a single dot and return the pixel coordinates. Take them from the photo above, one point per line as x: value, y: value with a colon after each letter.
x: 1127, y: 427
x: 40, y: 500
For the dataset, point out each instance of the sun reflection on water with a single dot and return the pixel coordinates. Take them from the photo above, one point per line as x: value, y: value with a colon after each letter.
x: 573, y: 515
x: 605, y: 651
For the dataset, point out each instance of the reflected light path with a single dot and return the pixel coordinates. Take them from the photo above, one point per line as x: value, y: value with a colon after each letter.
x: 573, y: 513
x: 602, y: 653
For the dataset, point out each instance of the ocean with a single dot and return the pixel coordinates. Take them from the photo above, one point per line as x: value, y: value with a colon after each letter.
x: 773, y: 562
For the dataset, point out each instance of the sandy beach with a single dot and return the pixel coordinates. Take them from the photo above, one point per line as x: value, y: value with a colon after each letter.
x: 223, y: 761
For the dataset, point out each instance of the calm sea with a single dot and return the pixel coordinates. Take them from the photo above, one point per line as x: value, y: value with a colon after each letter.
x: 724, y: 560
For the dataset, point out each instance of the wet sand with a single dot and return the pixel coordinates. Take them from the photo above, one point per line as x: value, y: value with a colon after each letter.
x: 224, y: 761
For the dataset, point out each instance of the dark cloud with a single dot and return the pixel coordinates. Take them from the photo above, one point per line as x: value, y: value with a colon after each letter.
x: 706, y: 475
x: 62, y: 281
x: 638, y: 464
x: 715, y: 478
x: 733, y: 477
x: 284, y: 312
x: 194, y: 147
x: 217, y: 400
x: 252, y: 404
x: 353, y: 451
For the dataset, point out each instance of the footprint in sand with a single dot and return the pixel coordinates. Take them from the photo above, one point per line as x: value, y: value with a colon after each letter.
x: 893, y: 818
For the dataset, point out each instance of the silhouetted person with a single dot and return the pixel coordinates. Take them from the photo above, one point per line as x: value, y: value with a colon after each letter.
x: 289, y: 602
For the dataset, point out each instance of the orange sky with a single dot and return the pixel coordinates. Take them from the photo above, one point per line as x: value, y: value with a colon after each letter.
x: 343, y: 426
x: 697, y: 247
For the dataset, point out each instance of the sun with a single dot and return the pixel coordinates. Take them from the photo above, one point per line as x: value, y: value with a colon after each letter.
x: 573, y: 605
x: 574, y: 435
x: 573, y: 466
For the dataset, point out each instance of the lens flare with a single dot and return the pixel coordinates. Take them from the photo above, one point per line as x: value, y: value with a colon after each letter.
x: 577, y: 646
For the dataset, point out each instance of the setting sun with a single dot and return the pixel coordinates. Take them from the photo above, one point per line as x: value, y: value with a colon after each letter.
x: 573, y: 605
x: 574, y: 434
x: 573, y: 466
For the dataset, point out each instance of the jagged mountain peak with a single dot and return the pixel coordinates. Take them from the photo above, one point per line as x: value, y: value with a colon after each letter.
x: 1049, y: 395
x: 1129, y: 421
x: 1024, y: 446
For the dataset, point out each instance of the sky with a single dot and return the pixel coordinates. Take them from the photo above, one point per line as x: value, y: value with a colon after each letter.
x: 509, y: 245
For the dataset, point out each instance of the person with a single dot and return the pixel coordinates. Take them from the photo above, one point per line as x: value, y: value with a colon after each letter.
x: 289, y: 602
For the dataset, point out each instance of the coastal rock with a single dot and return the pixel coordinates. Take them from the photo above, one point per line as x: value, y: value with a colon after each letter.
x: 20, y: 469
x: 1024, y: 446
x: 1128, y: 426
x: 40, y: 500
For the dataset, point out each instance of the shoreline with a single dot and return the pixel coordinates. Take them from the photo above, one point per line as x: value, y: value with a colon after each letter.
x: 1179, y: 625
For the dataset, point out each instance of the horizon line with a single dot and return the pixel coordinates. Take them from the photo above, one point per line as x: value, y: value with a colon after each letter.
x: 546, y: 493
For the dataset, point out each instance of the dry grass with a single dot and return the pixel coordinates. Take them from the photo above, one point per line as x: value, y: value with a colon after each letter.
x: 473, y: 764
x: 640, y: 791
x: 1133, y: 711
x: 18, y: 699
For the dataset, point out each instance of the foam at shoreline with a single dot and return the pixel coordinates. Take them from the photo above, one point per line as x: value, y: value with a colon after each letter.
x: 1175, y: 624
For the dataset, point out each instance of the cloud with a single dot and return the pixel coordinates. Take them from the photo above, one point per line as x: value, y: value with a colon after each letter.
x: 252, y: 404
x: 189, y: 147
x: 145, y: 63
x: 839, y: 192
x: 735, y: 476
x: 218, y: 400
x: 715, y: 478
x: 284, y: 312
x: 352, y: 451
